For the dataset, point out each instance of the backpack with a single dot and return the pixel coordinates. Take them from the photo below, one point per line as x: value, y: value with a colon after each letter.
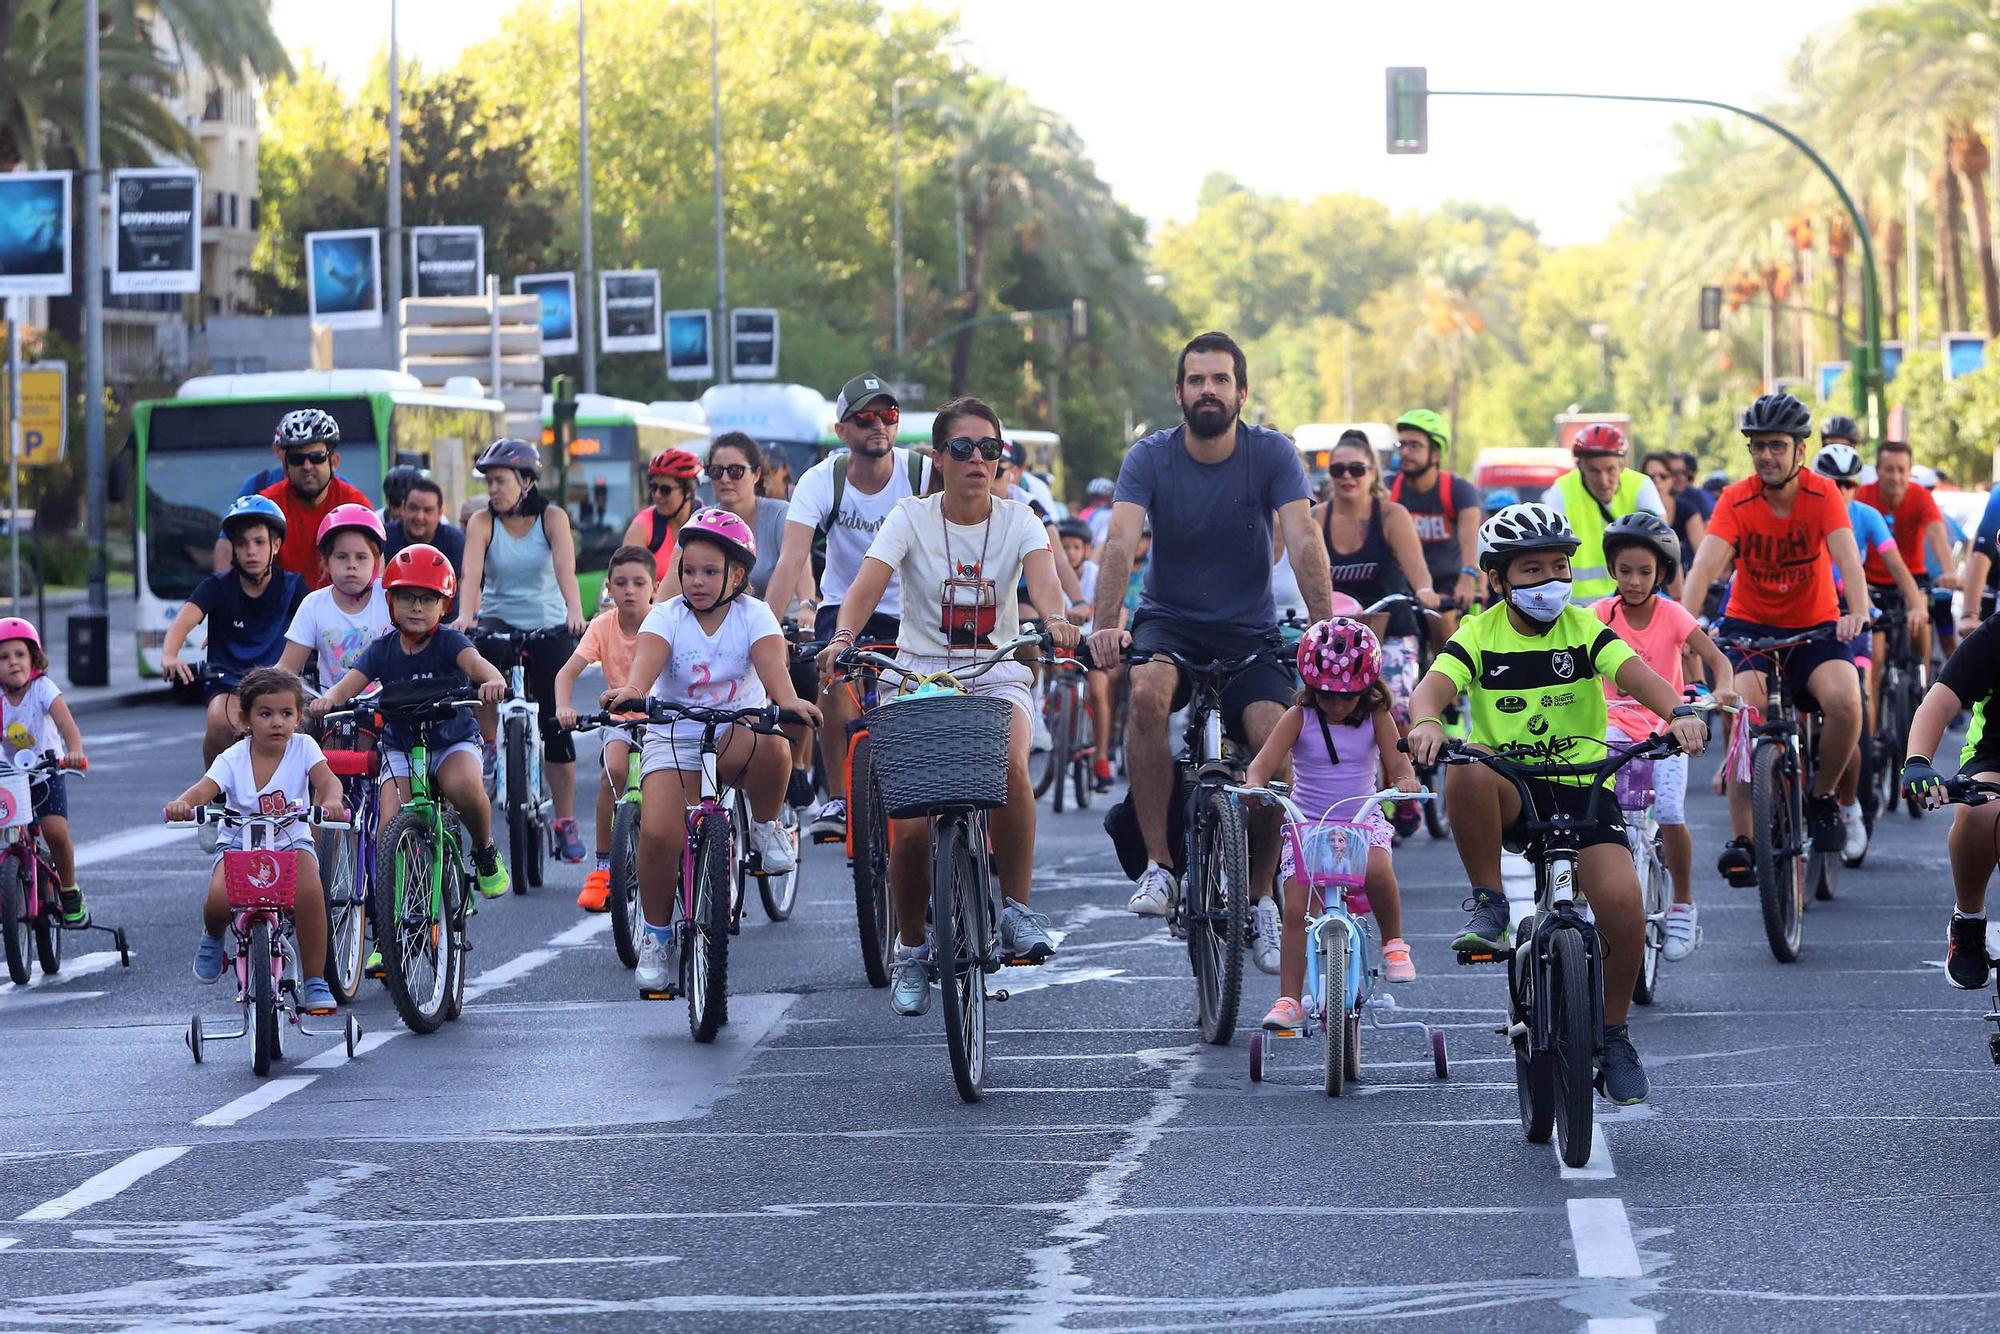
x: 1445, y: 483
x: 916, y: 466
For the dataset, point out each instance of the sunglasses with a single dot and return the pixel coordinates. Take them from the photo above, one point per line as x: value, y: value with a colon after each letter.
x: 867, y: 418
x: 664, y: 488
x: 316, y: 458
x: 1772, y: 446
x: 733, y: 471
x: 1347, y: 470
x: 962, y: 448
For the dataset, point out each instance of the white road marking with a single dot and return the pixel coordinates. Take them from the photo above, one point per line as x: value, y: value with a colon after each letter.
x: 336, y: 1056
x: 5, y: 1242
x: 584, y: 932
x: 104, y: 1185
x: 1624, y: 1324
x: 143, y: 839
x: 511, y: 971
x: 1595, y: 1168
x: 256, y: 1100
x: 82, y: 965
x: 1602, y: 1236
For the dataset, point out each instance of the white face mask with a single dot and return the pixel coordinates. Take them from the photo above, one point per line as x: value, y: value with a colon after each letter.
x: 1541, y: 602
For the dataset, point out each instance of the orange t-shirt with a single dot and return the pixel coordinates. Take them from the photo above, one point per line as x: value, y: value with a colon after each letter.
x: 300, y: 553
x: 609, y: 647
x: 1907, y: 522
x: 1784, y: 576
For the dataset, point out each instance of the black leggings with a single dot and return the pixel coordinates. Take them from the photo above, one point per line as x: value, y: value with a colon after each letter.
x: 545, y: 658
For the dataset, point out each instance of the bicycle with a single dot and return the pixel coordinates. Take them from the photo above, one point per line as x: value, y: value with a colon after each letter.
x: 1065, y: 702
x: 1332, y: 855
x: 1555, y: 970
x: 349, y: 858
x: 1781, y: 761
x: 943, y: 757
x: 623, y: 898
x: 261, y: 881
x: 1969, y: 791
x: 30, y: 889
x: 517, y: 768
x: 708, y: 910
x: 867, y: 826
x: 1212, y: 912
x: 1436, y: 822
x: 1901, y: 691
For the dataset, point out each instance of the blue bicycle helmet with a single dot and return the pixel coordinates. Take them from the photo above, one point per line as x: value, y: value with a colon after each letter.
x: 254, y: 509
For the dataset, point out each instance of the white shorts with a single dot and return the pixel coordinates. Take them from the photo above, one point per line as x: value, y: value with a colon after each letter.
x: 396, y: 763
x: 1670, y: 782
x: 678, y: 746
x: 1011, y: 681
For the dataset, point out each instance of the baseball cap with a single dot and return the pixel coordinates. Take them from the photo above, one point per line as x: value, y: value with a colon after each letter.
x: 859, y: 392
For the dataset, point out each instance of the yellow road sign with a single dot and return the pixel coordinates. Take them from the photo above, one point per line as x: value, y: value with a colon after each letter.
x: 44, y: 412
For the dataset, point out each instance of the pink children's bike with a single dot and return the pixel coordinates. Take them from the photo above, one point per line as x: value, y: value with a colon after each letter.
x: 262, y: 881
x: 30, y: 890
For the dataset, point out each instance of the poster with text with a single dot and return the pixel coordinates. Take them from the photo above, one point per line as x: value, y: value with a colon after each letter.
x: 344, y: 278
x: 629, y: 306
x: 558, y: 295
x: 753, y: 344
x: 690, y: 345
x: 155, y: 230
x: 447, y: 261
x: 34, y: 233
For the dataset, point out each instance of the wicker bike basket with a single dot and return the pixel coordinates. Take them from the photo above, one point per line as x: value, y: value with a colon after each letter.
x: 939, y: 752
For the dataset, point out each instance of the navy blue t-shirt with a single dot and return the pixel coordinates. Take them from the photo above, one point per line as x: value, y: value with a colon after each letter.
x: 384, y: 661
x: 246, y: 631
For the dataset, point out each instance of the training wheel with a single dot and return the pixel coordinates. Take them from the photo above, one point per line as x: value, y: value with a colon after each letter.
x: 194, y: 1038
x: 353, y: 1032
x: 1438, y: 1061
x: 1257, y: 1058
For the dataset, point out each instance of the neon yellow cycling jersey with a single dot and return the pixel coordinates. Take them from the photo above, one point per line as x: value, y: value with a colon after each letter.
x: 1528, y: 688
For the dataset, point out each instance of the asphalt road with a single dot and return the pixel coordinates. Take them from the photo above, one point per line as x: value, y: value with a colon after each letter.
x: 1816, y: 1154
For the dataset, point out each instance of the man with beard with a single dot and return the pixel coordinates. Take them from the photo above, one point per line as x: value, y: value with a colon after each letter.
x: 1445, y: 508
x: 1211, y: 489
x: 844, y: 498
x: 308, y: 440
x: 420, y: 518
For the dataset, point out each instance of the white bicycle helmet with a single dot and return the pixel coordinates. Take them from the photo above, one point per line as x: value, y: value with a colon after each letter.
x: 1518, y: 529
x: 1842, y: 462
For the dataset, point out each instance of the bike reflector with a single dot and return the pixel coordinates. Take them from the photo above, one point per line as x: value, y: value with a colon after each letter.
x: 17, y: 801
x: 351, y: 763
x: 260, y: 877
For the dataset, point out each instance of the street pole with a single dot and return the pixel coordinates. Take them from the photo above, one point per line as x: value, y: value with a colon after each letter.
x: 724, y: 344
x: 93, y: 332
x: 958, y: 213
x: 14, y: 438
x: 896, y: 207
x: 395, y: 237
x: 586, y: 282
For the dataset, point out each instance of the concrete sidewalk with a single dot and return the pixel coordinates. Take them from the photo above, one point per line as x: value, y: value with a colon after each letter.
x: 125, y: 685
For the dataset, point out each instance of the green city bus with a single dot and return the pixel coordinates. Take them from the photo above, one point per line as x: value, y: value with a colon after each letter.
x: 604, y: 479
x: 193, y: 454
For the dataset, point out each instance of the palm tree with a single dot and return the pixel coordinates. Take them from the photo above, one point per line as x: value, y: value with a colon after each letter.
x: 1968, y: 157
x: 228, y: 36
x: 41, y: 92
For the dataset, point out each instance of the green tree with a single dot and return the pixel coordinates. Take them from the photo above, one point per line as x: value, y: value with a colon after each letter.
x: 41, y: 92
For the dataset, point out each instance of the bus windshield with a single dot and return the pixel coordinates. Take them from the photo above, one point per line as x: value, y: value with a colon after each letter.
x: 600, y: 497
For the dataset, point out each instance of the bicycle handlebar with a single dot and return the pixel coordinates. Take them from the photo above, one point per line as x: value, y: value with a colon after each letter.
x: 1968, y: 791
x: 1391, y: 601
x: 1791, y: 639
x: 230, y: 818
x: 764, y: 718
x: 47, y: 766
x: 852, y: 658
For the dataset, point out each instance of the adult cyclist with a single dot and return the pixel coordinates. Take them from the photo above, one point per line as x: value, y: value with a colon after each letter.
x: 1785, y: 530
x: 1599, y: 489
x: 1917, y: 522
x: 1445, y: 508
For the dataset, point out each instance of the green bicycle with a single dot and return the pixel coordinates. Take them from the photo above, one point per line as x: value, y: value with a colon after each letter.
x: 623, y: 899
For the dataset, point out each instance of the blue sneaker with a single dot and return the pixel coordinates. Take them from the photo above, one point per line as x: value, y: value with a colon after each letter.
x: 569, y: 841
x: 209, y: 958
x: 318, y: 997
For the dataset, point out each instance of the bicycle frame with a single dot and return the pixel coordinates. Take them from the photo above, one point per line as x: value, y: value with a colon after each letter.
x: 23, y: 844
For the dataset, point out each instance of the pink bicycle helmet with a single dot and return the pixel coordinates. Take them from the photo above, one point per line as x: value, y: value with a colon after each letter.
x: 724, y: 529
x: 14, y: 627
x: 1341, y: 656
x: 352, y: 516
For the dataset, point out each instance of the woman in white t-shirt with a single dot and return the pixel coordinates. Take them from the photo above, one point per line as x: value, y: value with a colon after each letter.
x: 714, y: 646
x: 960, y: 554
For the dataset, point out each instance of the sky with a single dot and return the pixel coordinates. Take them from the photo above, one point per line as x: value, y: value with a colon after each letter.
x: 1288, y: 95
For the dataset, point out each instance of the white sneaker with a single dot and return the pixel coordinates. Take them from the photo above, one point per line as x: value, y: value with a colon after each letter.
x: 773, y: 845
x: 1038, y: 736
x: 910, y: 983
x: 1683, y: 932
x: 653, y: 969
x: 1264, y: 916
x: 1156, y: 893
x: 1856, y: 828
x: 830, y: 820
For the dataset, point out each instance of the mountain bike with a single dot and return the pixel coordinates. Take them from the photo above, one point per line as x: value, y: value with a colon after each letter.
x: 347, y: 853
x: 867, y: 825
x: 30, y: 889
x: 1555, y: 971
x: 261, y: 880
x: 942, y: 755
x: 519, y: 790
x: 1065, y: 700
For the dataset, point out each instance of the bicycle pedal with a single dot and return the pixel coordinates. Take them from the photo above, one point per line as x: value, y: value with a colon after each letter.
x: 1025, y: 961
x: 1469, y: 957
x: 1740, y: 880
x: 821, y: 840
x: 1281, y: 1033
x: 666, y: 995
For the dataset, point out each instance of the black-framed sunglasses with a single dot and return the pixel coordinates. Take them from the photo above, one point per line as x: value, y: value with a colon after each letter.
x: 1347, y: 470
x: 735, y: 472
x: 1771, y: 446
x: 963, y: 447
x: 663, y: 488
x: 300, y: 460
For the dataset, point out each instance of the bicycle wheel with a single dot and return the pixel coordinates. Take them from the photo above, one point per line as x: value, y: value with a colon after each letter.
x: 1335, y: 1071
x: 874, y: 910
x: 263, y: 1000
x: 14, y: 920
x: 520, y: 834
x: 1044, y: 765
x: 1082, y: 774
x: 958, y: 945
x: 781, y: 892
x: 623, y: 898
x: 1534, y: 1072
x: 1780, y: 864
x: 1062, y: 745
x: 1575, y: 1046
x: 1653, y: 897
x: 456, y: 889
x: 48, y: 937
x: 346, y: 915
x: 1906, y: 709
x: 707, y: 936
x: 418, y: 944
x: 1217, y: 914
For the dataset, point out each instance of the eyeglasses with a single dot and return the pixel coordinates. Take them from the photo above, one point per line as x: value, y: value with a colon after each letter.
x: 316, y: 458
x: 663, y: 488
x: 962, y: 448
x: 1772, y: 446
x: 733, y: 471
x: 867, y: 418
x: 1346, y: 470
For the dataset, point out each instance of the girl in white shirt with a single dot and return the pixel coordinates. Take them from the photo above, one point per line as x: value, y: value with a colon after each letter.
x: 350, y: 613
x: 33, y: 721
x: 715, y: 647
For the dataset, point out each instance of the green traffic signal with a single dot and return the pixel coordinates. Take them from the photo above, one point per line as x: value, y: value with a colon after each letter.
x: 1409, y: 102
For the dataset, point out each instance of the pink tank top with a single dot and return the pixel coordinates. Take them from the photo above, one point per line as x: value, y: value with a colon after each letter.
x: 1319, y: 779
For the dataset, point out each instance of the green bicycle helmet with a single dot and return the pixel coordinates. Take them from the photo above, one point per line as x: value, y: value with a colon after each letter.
x: 1432, y: 425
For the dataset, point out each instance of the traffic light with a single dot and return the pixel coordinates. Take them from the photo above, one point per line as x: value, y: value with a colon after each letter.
x: 1079, y: 320
x: 562, y: 425
x: 1711, y: 308
x: 1409, y: 102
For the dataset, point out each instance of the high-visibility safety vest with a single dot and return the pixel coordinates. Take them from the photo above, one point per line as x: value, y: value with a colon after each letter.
x: 1592, y: 577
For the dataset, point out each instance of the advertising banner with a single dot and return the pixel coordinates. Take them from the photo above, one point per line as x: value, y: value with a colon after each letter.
x: 690, y: 345
x: 34, y: 233
x: 629, y: 310
x: 558, y: 294
x: 447, y: 261
x: 344, y: 278
x: 753, y: 346
x: 155, y: 230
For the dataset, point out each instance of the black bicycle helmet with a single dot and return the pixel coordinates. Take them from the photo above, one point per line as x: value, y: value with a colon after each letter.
x: 1641, y: 529
x: 1077, y: 528
x: 1778, y: 414
x: 396, y: 483
x: 306, y: 426
x: 1519, y: 529
x: 513, y: 453
x: 1840, y: 428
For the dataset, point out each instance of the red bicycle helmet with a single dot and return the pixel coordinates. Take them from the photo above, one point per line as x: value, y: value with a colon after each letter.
x: 1341, y: 656
x: 421, y: 565
x: 1597, y: 440
x: 675, y: 463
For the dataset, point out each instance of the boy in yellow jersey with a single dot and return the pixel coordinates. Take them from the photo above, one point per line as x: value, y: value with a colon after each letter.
x: 1531, y: 665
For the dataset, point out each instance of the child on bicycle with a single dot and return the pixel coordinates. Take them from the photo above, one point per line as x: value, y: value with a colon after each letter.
x: 610, y: 640
x: 712, y: 646
x: 420, y: 583
x: 274, y: 769
x: 1077, y: 542
x: 1643, y: 554
x: 1340, y: 738
x: 351, y: 612
x: 34, y: 719
x: 1526, y: 663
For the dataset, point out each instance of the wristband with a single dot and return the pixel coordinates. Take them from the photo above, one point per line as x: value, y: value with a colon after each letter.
x: 842, y: 637
x: 1421, y: 721
x: 1683, y: 711
x: 1917, y: 759
x: 1469, y: 569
